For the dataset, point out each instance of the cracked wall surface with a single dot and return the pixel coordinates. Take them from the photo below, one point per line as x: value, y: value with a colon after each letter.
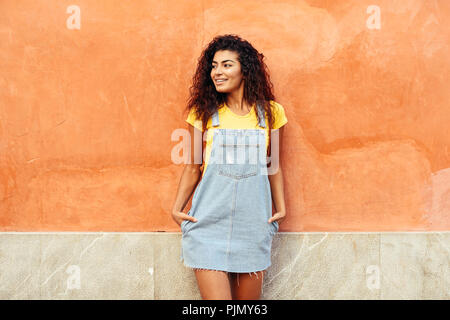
x: 145, y: 266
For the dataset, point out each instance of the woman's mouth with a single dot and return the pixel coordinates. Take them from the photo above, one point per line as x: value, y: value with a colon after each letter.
x: 219, y: 82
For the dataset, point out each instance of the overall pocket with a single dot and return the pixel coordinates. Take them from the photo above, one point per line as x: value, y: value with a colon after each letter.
x: 240, y: 160
x: 274, y: 226
x: 185, y: 223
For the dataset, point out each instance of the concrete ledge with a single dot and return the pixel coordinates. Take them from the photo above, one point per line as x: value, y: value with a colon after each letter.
x: 91, y: 265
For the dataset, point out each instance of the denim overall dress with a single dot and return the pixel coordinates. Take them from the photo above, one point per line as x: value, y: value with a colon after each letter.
x: 232, y: 204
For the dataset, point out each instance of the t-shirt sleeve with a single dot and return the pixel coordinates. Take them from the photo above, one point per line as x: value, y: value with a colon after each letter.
x: 191, y: 119
x: 279, y: 115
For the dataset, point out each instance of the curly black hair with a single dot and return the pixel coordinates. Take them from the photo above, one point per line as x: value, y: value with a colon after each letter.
x: 258, y: 88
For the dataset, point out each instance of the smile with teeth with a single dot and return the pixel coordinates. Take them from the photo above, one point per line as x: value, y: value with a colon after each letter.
x: 221, y: 80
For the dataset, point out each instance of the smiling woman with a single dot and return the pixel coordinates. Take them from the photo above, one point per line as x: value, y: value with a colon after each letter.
x: 230, y: 71
x: 227, y: 234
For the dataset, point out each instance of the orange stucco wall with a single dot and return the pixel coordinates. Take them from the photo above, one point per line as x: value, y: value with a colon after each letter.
x: 91, y: 92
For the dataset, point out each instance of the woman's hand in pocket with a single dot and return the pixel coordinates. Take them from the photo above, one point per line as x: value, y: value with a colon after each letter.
x: 179, y: 216
x: 278, y: 216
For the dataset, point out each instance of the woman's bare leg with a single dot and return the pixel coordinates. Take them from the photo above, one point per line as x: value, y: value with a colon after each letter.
x: 213, y: 285
x: 246, y: 286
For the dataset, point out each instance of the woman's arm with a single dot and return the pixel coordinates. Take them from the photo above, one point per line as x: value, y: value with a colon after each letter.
x: 276, y: 180
x: 189, y: 178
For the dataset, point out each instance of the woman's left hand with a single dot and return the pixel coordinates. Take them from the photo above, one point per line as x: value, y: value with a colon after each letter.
x: 278, y: 216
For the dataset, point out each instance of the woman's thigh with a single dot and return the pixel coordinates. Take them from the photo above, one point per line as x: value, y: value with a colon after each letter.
x: 246, y: 286
x: 213, y: 285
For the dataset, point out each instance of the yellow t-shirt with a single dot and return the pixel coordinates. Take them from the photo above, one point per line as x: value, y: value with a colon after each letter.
x: 230, y: 120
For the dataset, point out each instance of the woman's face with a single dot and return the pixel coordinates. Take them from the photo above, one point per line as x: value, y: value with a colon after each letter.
x: 225, y: 66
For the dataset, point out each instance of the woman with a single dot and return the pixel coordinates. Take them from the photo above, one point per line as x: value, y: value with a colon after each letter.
x: 227, y: 233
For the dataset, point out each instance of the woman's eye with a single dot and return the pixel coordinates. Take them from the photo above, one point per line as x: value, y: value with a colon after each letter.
x: 229, y: 65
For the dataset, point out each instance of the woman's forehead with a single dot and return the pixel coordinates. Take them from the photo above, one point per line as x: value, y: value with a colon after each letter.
x: 223, y: 55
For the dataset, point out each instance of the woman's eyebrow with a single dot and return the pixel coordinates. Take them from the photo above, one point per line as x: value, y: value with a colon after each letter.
x: 223, y: 61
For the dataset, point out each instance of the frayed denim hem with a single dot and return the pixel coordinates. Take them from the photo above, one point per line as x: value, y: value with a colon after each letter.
x: 228, y: 272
